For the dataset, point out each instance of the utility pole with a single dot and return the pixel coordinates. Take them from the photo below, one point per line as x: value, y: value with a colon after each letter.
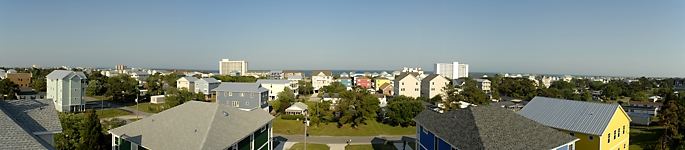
x: 306, y: 123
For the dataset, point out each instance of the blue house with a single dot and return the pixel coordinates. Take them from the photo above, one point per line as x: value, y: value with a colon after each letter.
x: 347, y: 81
x: 486, y: 128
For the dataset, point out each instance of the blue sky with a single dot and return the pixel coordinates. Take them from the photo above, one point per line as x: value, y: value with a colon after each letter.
x: 631, y: 37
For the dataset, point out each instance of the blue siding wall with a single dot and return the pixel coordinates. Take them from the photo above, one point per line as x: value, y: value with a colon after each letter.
x: 442, y: 145
x: 427, y: 139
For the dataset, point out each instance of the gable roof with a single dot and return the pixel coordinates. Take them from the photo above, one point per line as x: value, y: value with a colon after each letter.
x: 577, y: 116
x: 385, y: 85
x: 325, y: 72
x: 15, y: 135
x: 189, y: 79
x: 431, y: 77
x: 272, y: 81
x: 210, y: 126
x: 404, y: 75
x: 208, y: 80
x: 482, y: 127
x: 35, y: 116
x: 61, y: 74
x: 298, y: 106
x: 240, y: 87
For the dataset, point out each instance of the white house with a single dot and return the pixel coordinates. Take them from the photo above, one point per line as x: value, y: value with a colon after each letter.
x: 186, y: 82
x: 276, y: 86
x: 66, y: 89
x: 140, y: 76
x: 321, y: 79
x: 298, y: 108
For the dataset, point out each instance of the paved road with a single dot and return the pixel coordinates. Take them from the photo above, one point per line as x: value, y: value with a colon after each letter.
x: 343, y: 139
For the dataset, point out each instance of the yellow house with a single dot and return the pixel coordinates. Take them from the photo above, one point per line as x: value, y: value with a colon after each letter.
x: 599, y: 126
x: 378, y: 82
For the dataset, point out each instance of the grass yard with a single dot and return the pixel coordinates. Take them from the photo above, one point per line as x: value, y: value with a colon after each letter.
x: 644, y: 137
x: 149, y: 107
x: 310, y: 146
x: 109, y: 113
x: 98, y: 98
x: 387, y: 146
x: 372, y: 128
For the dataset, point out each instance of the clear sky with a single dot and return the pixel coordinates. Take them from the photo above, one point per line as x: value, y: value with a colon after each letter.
x: 626, y: 37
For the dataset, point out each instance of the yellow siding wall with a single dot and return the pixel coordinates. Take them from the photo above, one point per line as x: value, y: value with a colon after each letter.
x: 380, y: 82
x: 619, y: 121
x: 584, y: 142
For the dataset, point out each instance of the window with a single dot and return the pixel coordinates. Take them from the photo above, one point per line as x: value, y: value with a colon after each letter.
x: 230, y: 93
x: 609, y: 138
x: 614, y: 134
x: 619, y: 132
x: 432, y: 83
x: 402, y: 83
x: 432, y: 89
x: 591, y: 138
x: 236, y: 104
x: 402, y: 89
x: 572, y: 134
x: 624, y: 129
x: 416, y: 89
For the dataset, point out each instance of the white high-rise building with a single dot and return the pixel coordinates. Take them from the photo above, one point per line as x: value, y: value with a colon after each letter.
x: 235, y: 67
x: 453, y: 70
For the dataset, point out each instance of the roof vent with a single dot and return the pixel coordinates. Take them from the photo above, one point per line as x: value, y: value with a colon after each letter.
x: 225, y: 114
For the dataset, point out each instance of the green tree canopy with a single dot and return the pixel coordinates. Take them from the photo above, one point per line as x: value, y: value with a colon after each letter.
x: 402, y: 110
x: 355, y: 107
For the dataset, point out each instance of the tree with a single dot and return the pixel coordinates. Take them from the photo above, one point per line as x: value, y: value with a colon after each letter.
x: 92, y: 137
x: 612, y: 90
x: 227, y: 78
x: 304, y: 88
x: 452, y: 97
x: 335, y: 87
x: 285, y: 98
x: 672, y: 123
x: 122, y: 88
x: 516, y: 87
x: 39, y: 84
x: 8, y: 88
x: 355, y: 107
x: 473, y: 94
x: 96, y: 87
x: 402, y: 110
x: 70, y: 137
x: 639, y: 96
x: 175, y: 97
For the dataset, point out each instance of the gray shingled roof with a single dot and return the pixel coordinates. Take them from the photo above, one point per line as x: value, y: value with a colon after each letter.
x: 34, y: 115
x: 273, y: 81
x: 486, y: 127
x: 207, y: 127
x: 325, y: 72
x: 240, y: 87
x: 403, y: 75
x: 61, y: 74
x: 13, y: 137
x: 208, y: 80
x: 577, y: 116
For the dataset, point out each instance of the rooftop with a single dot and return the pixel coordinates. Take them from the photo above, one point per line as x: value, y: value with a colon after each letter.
x: 577, y: 116
x: 240, y: 87
x: 486, y: 127
x: 210, y: 126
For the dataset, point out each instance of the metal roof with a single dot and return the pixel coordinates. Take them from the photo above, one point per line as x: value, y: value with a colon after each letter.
x: 190, y: 79
x: 577, y: 116
x: 208, y: 80
x: 486, y: 127
x: 209, y: 126
x: 61, y: 74
x: 298, y: 106
x: 240, y: 87
x: 273, y: 81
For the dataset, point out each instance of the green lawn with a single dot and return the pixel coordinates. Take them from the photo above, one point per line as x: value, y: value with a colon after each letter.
x: 310, y: 146
x: 99, y: 98
x: 387, y: 146
x: 644, y: 137
x: 372, y: 128
x: 149, y: 107
x: 109, y: 113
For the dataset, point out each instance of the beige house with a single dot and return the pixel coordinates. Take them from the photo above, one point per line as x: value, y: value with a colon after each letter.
x: 321, y: 79
x: 186, y: 82
x: 408, y: 85
x: 433, y: 85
